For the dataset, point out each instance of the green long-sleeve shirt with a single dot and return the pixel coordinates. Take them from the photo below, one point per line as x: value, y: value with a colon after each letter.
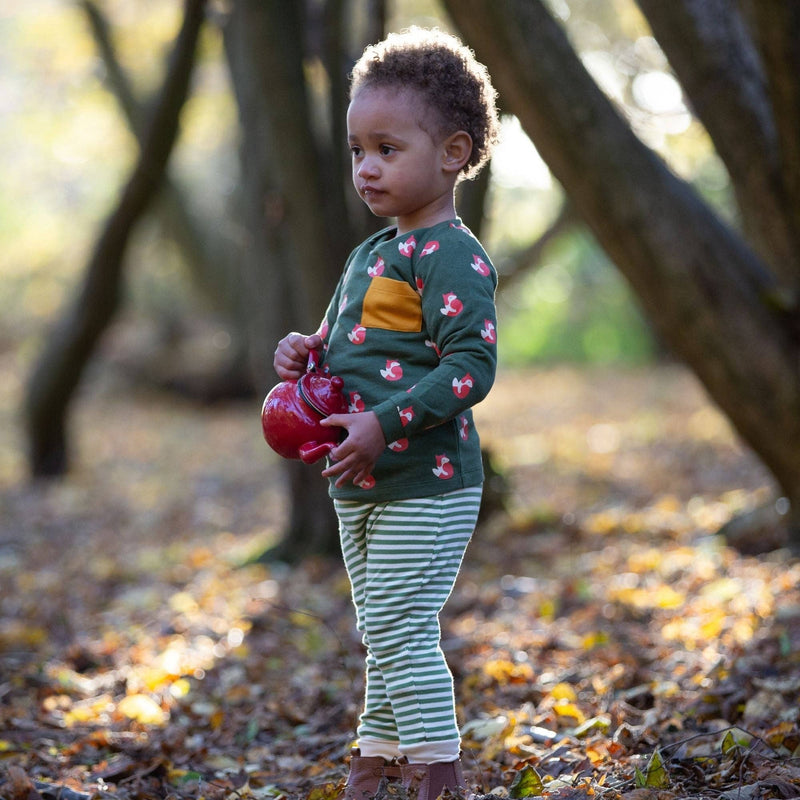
x: 411, y: 329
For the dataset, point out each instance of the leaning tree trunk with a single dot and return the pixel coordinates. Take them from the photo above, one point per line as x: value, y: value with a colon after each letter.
x: 69, y: 347
x: 211, y: 255
x: 712, y: 299
x: 720, y: 68
x: 207, y: 254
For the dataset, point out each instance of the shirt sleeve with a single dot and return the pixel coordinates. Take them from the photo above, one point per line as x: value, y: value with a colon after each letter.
x: 331, y: 314
x: 457, y: 284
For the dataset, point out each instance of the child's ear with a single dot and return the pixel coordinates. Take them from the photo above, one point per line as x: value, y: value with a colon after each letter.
x: 457, y: 150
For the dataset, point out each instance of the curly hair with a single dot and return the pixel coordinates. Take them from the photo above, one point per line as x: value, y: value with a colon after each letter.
x: 456, y: 87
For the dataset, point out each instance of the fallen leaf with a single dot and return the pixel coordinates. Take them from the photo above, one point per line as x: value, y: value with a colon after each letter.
x: 655, y: 775
x: 143, y: 709
x: 527, y: 783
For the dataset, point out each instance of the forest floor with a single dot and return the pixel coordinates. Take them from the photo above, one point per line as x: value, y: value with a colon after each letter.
x: 605, y: 641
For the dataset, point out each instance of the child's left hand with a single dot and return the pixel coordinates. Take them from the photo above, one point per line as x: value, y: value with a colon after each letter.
x: 355, y: 457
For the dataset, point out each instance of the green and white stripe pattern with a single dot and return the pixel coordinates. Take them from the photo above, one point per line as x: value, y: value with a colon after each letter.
x: 403, y: 558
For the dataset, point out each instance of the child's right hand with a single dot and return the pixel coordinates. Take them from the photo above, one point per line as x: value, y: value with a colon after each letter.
x: 291, y: 355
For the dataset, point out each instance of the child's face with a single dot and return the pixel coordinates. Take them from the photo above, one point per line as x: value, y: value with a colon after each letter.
x: 399, y: 169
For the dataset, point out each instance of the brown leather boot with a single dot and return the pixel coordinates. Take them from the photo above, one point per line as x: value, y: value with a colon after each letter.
x: 366, y: 774
x: 430, y: 780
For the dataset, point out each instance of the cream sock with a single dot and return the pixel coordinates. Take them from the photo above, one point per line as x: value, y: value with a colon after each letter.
x: 432, y: 752
x: 370, y: 748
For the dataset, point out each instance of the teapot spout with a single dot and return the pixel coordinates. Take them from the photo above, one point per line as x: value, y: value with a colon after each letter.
x: 313, y: 451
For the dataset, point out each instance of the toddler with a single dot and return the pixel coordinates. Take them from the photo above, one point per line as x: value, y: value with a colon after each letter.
x: 411, y: 329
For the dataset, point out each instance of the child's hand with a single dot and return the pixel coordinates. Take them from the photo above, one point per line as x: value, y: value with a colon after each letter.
x: 355, y: 457
x: 291, y: 355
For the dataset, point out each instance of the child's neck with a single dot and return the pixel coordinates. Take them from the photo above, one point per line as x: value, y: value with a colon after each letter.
x: 425, y: 218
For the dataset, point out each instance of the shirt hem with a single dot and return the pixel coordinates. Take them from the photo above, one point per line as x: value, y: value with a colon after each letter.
x: 407, y: 491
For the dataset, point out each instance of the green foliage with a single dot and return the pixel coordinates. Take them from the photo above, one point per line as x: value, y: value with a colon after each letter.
x: 575, y: 308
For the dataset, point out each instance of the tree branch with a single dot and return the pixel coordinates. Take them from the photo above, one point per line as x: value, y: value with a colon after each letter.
x: 117, y: 79
x: 518, y: 264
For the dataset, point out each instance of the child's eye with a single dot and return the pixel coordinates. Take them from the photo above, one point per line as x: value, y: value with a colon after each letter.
x: 386, y: 150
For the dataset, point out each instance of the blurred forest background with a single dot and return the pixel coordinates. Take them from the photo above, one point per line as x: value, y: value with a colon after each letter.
x: 150, y: 621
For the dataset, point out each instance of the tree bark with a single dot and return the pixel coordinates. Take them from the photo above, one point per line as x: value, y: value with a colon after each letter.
x: 471, y: 200
x: 318, y: 232
x: 71, y: 344
x: 706, y: 291
x: 296, y: 227
x: 776, y: 26
x: 713, y: 54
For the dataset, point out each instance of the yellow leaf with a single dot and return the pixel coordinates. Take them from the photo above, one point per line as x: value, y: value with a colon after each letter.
x: 595, y: 755
x: 547, y: 609
x: 183, y: 603
x: 180, y: 777
x: 594, y: 639
x: 142, y: 708
x: 713, y: 624
x: 152, y: 678
x: 88, y: 710
x: 602, y: 522
x: 505, y: 672
x: 327, y: 791
x: 569, y: 710
x: 180, y: 688
x: 563, y: 691
x: 774, y: 736
x: 216, y: 719
x: 78, y: 715
x: 667, y: 597
x: 19, y: 633
x: 734, y: 739
x: 669, y: 504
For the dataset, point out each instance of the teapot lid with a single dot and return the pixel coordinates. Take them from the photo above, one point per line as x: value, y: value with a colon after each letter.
x: 323, y: 394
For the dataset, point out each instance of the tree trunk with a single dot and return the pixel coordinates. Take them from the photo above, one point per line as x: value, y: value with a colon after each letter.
x: 471, y: 200
x: 776, y: 31
x: 296, y: 225
x: 714, y: 57
x: 69, y: 347
x: 712, y: 299
x: 207, y: 254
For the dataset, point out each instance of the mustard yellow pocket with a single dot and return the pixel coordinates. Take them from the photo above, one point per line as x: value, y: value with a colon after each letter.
x: 392, y: 305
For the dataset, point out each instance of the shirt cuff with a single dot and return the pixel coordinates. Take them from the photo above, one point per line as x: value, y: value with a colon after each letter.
x: 390, y: 417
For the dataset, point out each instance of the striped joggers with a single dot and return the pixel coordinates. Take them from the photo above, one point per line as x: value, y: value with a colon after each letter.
x: 403, y: 558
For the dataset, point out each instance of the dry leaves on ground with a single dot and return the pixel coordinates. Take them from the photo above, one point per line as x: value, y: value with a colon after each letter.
x: 605, y: 642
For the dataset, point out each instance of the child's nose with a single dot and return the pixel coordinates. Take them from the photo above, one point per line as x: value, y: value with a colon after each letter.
x: 368, y: 168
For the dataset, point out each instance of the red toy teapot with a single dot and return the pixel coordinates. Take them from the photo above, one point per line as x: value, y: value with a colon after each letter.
x: 292, y: 412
